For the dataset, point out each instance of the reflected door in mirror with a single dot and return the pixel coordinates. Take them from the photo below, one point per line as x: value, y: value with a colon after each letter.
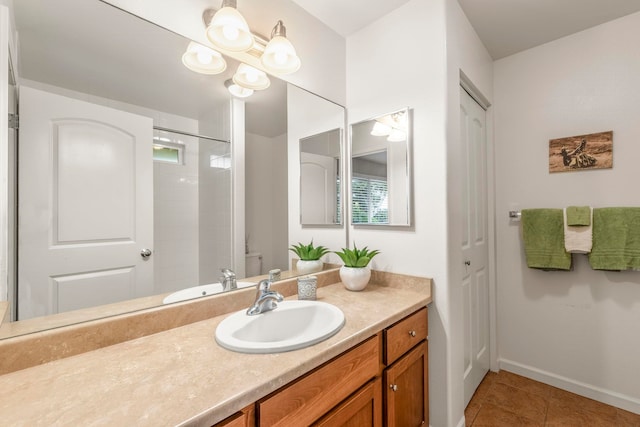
x: 320, y: 178
x: 82, y: 232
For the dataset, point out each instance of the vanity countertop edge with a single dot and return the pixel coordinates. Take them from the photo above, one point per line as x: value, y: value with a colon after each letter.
x: 182, y: 376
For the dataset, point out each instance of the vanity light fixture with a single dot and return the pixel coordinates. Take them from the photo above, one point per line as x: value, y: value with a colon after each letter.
x: 202, y: 59
x: 237, y: 90
x: 251, y: 78
x: 279, y: 55
x: 228, y: 29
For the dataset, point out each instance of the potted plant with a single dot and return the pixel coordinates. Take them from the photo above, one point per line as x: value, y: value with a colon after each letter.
x: 309, y: 257
x: 355, y: 273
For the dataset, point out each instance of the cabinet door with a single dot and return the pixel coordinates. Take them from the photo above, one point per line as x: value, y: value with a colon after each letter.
x: 244, y: 418
x: 406, y: 390
x: 363, y: 408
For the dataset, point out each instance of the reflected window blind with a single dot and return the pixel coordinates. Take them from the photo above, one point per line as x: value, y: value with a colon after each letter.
x: 369, y: 201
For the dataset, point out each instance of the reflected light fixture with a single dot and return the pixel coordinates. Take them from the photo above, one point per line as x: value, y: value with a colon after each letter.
x: 228, y: 29
x: 279, y: 55
x: 393, y: 126
x: 251, y: 78
x: 397, y: 135
x: 380, y: 129
x: 237, y: 90
x: 202, y: 59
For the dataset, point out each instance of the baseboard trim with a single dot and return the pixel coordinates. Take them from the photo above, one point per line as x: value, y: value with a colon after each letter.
x: 460, y: 424
x: 610, y: 397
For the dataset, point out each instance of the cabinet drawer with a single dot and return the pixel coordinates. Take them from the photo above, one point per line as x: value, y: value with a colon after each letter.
x: 306, y: 400
x: 402, y: 336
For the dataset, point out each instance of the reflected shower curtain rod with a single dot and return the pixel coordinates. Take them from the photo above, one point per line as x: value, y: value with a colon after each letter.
x: 180, y: 132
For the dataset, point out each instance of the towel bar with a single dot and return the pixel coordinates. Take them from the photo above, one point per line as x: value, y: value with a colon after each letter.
x: 515, y: 215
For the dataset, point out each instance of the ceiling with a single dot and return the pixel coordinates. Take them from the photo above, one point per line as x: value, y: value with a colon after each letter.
x: 504, y: 26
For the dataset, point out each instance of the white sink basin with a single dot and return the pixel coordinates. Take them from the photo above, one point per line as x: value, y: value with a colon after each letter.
x: 291, y: 326
x: 200, y: 291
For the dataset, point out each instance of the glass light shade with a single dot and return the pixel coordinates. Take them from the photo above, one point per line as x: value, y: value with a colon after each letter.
x: 237, y: 90
x: 229, y: 30
x: 397, y: 135
x: 280, y: 56
x: 203, y: 60
x: 251, y: 78
x: 380, y: 129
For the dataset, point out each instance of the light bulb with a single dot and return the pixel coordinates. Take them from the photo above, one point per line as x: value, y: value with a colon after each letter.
x: 204, y: 58
x: 380, y: 129
x: 251, y: 78
x: 231, y: 32
x: 279, y: 55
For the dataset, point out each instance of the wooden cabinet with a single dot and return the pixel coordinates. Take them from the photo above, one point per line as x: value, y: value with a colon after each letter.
x: 406, y: 390
x: 315, y: 394
x: 363, y: 408
x: 382, y: 381
x: 244, y: 418
x: 406, y: 395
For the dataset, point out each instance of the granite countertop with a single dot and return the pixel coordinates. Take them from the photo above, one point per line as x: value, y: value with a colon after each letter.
x: 181, y: 376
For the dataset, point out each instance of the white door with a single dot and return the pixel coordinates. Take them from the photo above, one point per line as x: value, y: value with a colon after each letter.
x: 475, y: 245
x: 85, y: 204
x: 317, y: 189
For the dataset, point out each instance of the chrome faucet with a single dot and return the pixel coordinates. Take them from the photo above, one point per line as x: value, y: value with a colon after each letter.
x: 228, y: 280
x: 266, y: 299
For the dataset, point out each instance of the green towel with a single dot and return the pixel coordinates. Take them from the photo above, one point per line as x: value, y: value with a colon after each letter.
x: 543, y: 235
x: 616, y: 239
x: 578, y: 215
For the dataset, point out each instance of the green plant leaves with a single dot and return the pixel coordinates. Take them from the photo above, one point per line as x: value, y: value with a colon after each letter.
x: 308, y: 252
x: 356, y: 258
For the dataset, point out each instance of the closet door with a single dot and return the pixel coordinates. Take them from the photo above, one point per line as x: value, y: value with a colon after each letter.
x: 475, y: 244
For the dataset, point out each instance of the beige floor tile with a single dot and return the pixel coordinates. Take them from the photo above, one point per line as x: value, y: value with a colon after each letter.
x: 494, y: 416
x: 528, y: 405
x: 523, y: 383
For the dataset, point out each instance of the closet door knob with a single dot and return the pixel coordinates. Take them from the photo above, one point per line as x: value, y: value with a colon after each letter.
x: 145, y: 253
x: 412, y: 333
x: 393, y: 387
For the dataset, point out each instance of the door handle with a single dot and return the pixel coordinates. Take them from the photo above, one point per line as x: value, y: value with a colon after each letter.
x: 145, y: 253
x: 467, y: 262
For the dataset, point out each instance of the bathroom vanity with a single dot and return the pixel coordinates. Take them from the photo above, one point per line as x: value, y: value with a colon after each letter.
x: 374, y: 367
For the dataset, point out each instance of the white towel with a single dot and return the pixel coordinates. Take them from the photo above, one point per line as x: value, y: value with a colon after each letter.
x: 578, y: 239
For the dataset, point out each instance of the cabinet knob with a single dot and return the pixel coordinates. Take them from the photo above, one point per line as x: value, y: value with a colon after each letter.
x: 412, y: 333
x: 393, y: 387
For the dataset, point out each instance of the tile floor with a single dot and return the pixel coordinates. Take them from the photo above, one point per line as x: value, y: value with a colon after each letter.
x: 508, y: 400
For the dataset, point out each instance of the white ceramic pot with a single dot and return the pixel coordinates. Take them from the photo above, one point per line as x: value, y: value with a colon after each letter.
x: 355, y: 279
x: 309, y: 267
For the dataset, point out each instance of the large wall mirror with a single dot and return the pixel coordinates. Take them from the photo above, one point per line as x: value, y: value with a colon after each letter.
x: 381, y: 170
x: 172, y: 125
x: 320, y: 183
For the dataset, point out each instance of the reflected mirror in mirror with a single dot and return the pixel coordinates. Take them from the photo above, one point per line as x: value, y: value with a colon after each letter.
x: 380, y: 170
x: 320, y: 172
x: 87, y: 55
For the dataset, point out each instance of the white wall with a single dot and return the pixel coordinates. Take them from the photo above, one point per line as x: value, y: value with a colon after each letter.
x: 266, y: 218
x: 577, y: 329
x: 395, y: 62
x: 427, y: 81
x: 307, y: 115
x: 466, y: 54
